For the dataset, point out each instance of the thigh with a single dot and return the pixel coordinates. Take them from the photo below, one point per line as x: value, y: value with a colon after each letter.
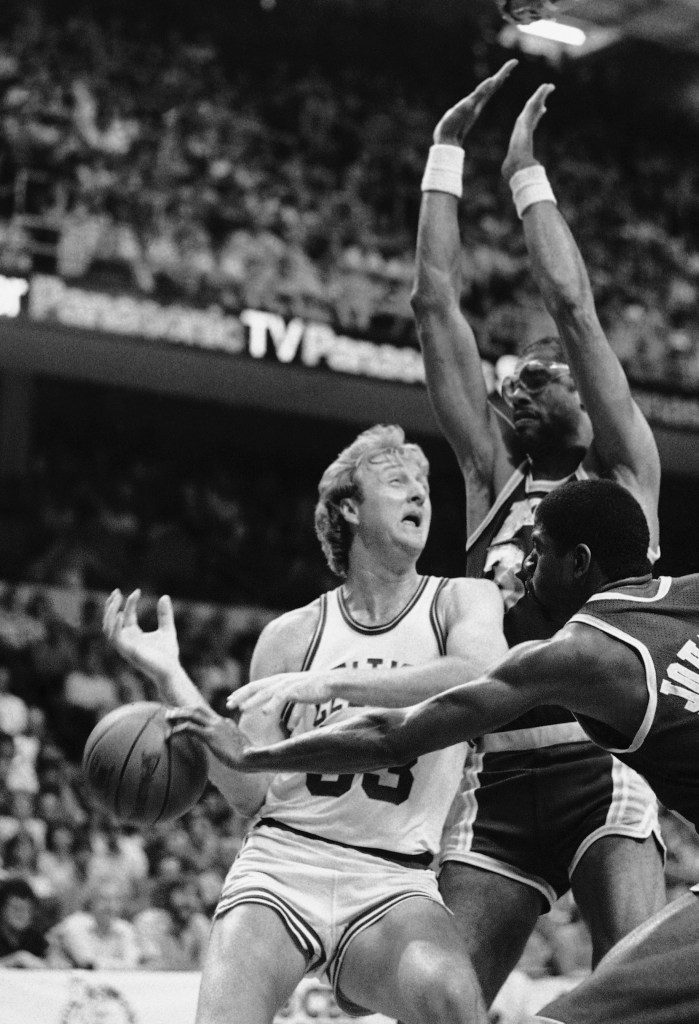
x: 412, y: 965
x: 251, y: 969
x: 650, y: 977
x: 494, y: 915
x: 618, y: 884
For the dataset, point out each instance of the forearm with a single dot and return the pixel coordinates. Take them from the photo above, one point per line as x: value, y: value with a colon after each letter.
x: 438, y: 255
x: 400, y: 687
x: 381, y: 739
x: 242, y: 791
x: 355, y: 745
x: 176, y: 688
x: 556, y: 262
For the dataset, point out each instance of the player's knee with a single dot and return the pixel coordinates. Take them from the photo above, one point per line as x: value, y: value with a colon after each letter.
x: 446, y: 996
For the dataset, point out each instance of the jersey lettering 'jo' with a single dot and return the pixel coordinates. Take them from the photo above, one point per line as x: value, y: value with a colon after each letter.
x: 660, y: 621
x: 398, y: 809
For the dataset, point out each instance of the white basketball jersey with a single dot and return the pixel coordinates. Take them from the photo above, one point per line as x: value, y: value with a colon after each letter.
x: 400, y: 810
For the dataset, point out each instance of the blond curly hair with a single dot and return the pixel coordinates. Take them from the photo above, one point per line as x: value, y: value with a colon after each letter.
x: 340, y: 481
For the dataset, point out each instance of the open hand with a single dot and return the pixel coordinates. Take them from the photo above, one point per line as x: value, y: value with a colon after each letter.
x: 156, y: 654
x: 272, y: 693
x: 520, y: 153
x: 455, y: 125
x: 221, y: 735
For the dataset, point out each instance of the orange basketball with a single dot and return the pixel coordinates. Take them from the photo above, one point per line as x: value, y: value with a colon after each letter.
x: 142, y: 777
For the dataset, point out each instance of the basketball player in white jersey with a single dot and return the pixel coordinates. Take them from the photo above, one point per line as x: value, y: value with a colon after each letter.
x: 571, y: 416
x: 335, y: 875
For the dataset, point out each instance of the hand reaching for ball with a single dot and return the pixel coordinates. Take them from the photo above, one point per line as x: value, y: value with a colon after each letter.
x: 221, y: 735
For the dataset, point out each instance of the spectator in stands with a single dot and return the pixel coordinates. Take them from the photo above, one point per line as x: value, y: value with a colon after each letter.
x: 7, y: 756
x: 22, y: 818
x: 27, y: 748
x: 22, y: 944
x: 58, y: 864
x: 14, y: 714
x: 173, y: 933
x: 58, y: 777
x: 98, y: 937
x: 88, y: 694
x: 117, y: 852
x: 21, y: 860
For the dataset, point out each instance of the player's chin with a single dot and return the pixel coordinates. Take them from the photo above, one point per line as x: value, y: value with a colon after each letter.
x: 528, y: 429
x: 414, y: 536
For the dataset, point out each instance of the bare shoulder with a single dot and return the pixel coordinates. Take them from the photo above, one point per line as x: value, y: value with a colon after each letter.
x: 283, y: 642
x: 600, y: 655
x: 575, y: 666
x: 465, y: 595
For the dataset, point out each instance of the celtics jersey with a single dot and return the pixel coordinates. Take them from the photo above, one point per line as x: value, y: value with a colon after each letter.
x: 400, y: 810
x: 659, y: 619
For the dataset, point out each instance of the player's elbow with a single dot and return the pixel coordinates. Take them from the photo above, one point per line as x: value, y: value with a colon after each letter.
x: 432, y: 295
x: 569, y: 298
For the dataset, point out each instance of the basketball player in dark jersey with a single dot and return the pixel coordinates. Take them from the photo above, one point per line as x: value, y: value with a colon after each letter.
x: 572, y: 415
x: 625, y: 662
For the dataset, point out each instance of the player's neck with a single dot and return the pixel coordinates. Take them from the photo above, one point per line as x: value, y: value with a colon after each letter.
x: 555, y: 463
x: 376, y: 594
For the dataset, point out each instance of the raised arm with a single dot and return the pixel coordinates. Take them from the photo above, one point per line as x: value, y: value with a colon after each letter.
x: 452, y: 363
x: 156, y: 655
x: 623, y: 441
x: 471, y: 611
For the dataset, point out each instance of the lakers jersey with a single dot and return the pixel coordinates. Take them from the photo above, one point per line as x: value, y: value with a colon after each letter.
x: 400, y: 809
x: 659, y: 619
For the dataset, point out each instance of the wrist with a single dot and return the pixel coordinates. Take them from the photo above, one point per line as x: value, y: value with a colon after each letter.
x: 447, y: 139
x: 530, y: 185
x: 173, y: 684
x: 444, y: 169
x: 521, y: 165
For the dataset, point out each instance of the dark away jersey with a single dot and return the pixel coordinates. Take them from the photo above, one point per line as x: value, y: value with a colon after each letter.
x: 659, y: 619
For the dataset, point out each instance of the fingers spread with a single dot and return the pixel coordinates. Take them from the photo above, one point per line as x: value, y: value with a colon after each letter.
x: 111, y: 607
x: 166, y: 616
x: 130, y: 612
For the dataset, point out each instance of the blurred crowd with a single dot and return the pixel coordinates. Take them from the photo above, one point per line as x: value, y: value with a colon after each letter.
x: 233, y: 535
x: 158, y: 165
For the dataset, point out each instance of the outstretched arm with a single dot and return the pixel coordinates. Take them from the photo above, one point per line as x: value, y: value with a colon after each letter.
x: 574, y: 670
x: 623, y: 441
x: 452, y: 363
x: 472, y: 612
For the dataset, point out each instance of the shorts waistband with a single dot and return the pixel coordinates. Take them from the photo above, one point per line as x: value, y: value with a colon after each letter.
x: 533, y: 739
x: 407, y: 860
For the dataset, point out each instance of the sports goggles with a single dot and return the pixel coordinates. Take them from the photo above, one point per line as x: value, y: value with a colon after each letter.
x: 533, y: 377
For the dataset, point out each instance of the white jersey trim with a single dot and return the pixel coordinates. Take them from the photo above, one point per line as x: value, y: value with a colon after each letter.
x: 531, y: 739
x: 651, y: 678
x: 664, y: 583
x: 515, y: 480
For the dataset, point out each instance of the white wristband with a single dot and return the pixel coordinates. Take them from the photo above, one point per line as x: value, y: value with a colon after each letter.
x: 444, y: 170
x: 530, y: 185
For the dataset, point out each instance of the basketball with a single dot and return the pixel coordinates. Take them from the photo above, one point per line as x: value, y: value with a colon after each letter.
x: 142, y: 777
